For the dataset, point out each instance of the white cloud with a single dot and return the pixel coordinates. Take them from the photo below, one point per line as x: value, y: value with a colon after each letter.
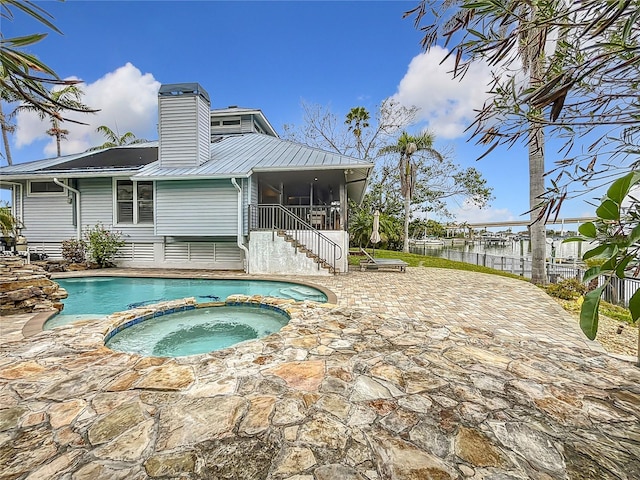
x: 127, y: 100
x: 447, y: 105
x: 470, y: 213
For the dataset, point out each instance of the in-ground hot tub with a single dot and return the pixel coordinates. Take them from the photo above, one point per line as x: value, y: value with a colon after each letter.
x: 192, y: 331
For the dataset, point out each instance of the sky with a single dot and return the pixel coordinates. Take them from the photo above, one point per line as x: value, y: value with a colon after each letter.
x: 270, y: 55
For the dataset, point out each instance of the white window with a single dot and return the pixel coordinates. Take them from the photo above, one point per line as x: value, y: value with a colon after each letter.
x: 133, y: 202
x: 45, y: 188
x: 227, y: 122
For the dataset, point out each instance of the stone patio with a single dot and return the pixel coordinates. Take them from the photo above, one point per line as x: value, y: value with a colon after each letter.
x: 425, y: 374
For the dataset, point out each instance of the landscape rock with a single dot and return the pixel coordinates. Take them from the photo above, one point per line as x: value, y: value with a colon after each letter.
x: 27, y: 288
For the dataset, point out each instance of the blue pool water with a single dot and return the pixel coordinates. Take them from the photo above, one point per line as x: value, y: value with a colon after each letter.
x: 197, y: 331
x: 95, y: 297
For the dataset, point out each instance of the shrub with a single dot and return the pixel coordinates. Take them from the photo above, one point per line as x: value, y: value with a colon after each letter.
x: 74, y: 251
x: 103, y: 244
x: 566, y: 289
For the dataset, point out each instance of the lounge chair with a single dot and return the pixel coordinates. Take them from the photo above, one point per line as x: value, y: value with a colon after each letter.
x: 377, y: 263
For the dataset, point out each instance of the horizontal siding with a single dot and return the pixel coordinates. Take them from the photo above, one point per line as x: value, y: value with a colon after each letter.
x: 97, y: 201
x: 97, y: 206
x: 196, y: 208
x: 48, y: 219
x: 204, y: 130
x: 137, y: 233
x: 178, y: 118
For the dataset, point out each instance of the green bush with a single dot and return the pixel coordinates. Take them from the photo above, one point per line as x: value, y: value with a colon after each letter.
x: 567, y: 289
x: 103, y: 244
x: 74, y: 251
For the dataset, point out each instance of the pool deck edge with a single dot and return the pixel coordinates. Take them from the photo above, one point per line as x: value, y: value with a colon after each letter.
x: 36, y: 323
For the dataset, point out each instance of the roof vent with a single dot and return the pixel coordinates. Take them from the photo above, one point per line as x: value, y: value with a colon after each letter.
x: 232, y: 106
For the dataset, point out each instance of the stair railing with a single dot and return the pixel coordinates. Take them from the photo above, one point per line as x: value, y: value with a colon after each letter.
x: 300, y: 232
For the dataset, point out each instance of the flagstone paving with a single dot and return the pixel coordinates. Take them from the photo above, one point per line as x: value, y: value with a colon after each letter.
x: 425, y: 374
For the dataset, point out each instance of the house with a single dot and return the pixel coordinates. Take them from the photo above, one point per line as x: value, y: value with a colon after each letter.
x: 218, y: 190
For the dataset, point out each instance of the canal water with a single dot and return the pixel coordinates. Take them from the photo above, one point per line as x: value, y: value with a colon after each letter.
x: 566, y: 252
x: 563, y: 262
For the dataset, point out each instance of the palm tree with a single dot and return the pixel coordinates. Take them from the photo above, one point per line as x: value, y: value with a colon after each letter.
x: 66, y: 98
x: 6, y: 128
x: 534, y: 64
x: 358, y: 119
x: 23, y: 75
x: 406, y: 146
x: 522, y: 27
x: 114, y: 140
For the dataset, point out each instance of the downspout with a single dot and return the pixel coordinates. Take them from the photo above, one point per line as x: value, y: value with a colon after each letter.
x: 16, y: 184
x: 239, y: 236
x: 77, y: 192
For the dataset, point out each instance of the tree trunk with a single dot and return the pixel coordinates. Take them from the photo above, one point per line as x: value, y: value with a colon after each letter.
x: 536, y: 189
x: 58, y: 143
x: 536, y: 170
x: 407, y: 212
x: 5, y: 136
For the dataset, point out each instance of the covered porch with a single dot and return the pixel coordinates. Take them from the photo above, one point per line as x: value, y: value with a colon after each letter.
x: 320, y: 198
x: 298, y: 219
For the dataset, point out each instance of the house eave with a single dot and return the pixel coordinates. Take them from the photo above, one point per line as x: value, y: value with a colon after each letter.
x: 51, y: 174
x: 358, y: 166
x: 189, y: 177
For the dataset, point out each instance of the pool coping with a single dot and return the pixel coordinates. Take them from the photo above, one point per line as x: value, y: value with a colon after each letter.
x: 35, y: 325
x: 120, y: 321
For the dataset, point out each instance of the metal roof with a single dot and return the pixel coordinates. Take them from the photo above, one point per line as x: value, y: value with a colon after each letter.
x: 230, y: 156
x: 241, y: 155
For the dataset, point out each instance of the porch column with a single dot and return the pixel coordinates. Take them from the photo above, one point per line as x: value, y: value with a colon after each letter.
x: 344, y: 207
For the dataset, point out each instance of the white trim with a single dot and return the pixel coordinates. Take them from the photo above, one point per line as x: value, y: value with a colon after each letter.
x: 46, y: 194
x: 240, y: 226
x: 15, y: 198
x: 64, y: 185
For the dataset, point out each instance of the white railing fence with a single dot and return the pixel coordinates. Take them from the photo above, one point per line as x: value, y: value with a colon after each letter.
x: 618, y: 292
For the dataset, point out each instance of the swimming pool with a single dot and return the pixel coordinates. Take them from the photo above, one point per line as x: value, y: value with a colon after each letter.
x: 95, y: 297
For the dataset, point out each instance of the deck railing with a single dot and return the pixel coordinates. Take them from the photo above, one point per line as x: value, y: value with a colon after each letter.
x: 284, y: 221
x: 320, y: 217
